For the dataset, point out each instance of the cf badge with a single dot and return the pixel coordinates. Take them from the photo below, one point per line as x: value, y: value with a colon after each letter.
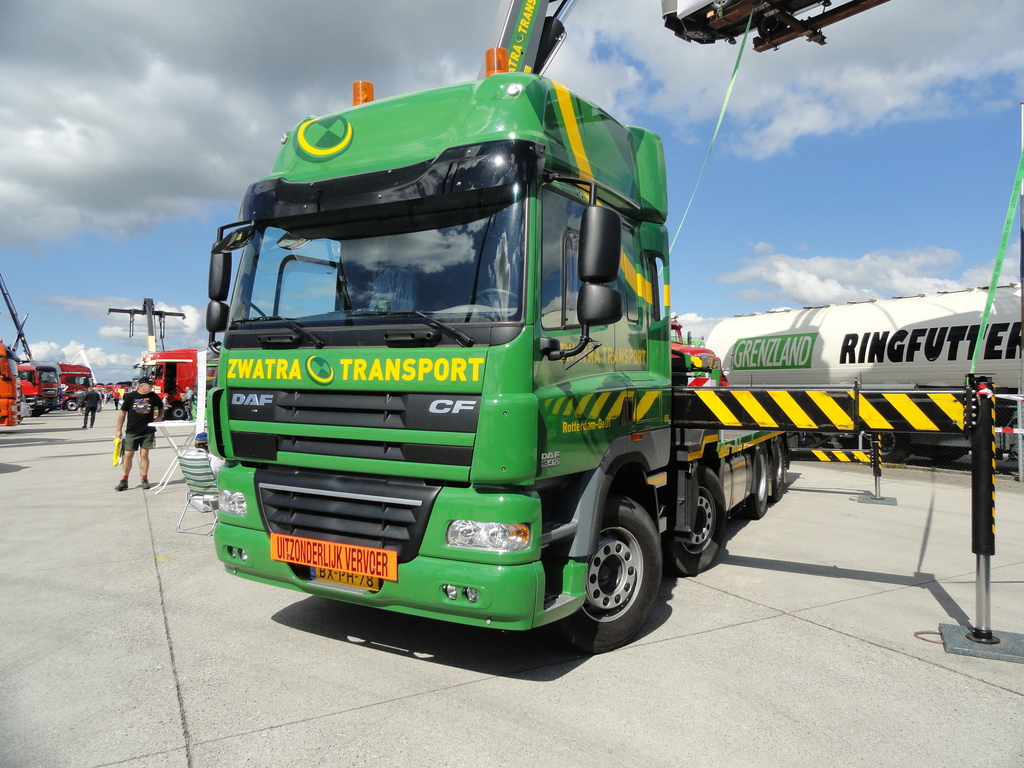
x: 451, y: 406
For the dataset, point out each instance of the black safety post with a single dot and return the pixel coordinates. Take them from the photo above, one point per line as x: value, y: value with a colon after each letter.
x: 876, y: 463
x: 983, y: 506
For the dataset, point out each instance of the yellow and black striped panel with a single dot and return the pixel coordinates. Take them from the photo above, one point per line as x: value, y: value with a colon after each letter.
x: 842, y: 456
x: 911, y: 411
x: 819, y: 410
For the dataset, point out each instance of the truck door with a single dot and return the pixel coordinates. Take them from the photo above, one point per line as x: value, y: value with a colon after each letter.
x: 586, y: 406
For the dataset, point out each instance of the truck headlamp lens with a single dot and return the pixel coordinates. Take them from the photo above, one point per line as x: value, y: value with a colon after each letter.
x: 499, y: 537
x: 232, y: 503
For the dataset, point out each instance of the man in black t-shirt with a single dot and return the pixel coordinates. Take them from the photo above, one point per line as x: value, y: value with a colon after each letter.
x: 139, y: 409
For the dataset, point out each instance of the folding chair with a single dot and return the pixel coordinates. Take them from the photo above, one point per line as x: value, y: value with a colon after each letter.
x: 201, y: 495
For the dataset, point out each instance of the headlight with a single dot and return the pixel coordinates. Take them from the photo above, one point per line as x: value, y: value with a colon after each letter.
x: 500, y: 537
x: 232, y: 502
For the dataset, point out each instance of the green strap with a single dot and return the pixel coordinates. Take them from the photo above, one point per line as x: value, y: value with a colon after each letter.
x: 1010, y: 214
x: 721, y: 116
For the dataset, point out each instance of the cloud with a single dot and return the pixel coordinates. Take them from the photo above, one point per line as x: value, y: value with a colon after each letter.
x: 695, y: 325
x: 152, y: 111
x: 816, y: 280
x: 902, y: 61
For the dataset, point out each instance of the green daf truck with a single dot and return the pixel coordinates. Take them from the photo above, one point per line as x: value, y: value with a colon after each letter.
x: 445, y: 385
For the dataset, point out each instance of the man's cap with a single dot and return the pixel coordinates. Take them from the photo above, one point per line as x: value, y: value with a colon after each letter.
x: 202, y: 437
x: 146, y: 380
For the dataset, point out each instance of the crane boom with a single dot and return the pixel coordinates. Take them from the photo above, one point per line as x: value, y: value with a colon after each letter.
x: 529, y: 34
x: 19, y: 324
x: 776, y: 21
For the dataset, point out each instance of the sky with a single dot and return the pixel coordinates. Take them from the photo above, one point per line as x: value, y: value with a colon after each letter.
x: 880, y: 164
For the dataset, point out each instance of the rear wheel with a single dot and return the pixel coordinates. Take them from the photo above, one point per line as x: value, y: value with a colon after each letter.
x: 177, y: 413
x: 623, y: 577
x: 71, y: 405
x: 688, y: 554
x: 779, y: 470
x: 756, y: 505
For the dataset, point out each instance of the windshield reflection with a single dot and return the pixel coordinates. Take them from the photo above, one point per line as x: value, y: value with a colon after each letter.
x: 459, y: 266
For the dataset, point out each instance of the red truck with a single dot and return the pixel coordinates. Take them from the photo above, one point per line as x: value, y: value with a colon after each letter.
x: 173, y: 373
x: 701, y: 366
x: 76, y: 380
x: 40, y: 384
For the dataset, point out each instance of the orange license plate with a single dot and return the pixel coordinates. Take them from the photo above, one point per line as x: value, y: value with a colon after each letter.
x: 328, y: 578
x: 372, y: 563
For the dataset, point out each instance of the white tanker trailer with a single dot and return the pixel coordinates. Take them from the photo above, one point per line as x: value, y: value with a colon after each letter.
x: 911, y: 342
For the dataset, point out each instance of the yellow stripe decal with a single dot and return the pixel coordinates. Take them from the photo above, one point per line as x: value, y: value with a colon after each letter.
x: 572, y: 130
x: 601, y: 400
x: 616, y: 409
x: 649, y: 399
x: 583, y: 404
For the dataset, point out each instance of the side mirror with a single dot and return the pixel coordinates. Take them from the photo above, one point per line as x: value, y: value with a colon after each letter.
x: 216, y: 316
x: 220, y: 275
x: 600, y: 245
x: 598, y: 304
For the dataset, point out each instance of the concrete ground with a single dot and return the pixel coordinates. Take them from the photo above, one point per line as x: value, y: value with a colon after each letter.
x: 812, y: 643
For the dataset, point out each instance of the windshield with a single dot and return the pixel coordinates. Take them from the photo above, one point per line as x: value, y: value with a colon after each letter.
x: 48, y: 377
x: 459, y: 265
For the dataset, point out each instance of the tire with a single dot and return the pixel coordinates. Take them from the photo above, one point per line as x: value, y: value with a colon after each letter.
x: 177, y: 413
x: 623, y: 578
x: 779, y: 470
x: 71, y: 405
x: 693, y: 553
x: 756, y: 504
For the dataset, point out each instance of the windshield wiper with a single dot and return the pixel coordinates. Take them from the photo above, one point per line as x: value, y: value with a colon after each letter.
x: 459, y: 336
x: 433, y: 322
x: 307, y: 334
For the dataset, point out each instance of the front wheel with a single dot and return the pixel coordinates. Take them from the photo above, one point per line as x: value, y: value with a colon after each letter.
x: 622, y: 583
x: 71, y: 405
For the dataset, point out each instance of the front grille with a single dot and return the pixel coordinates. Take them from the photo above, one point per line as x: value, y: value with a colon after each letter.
x: 262, y: 447
x: 395, y: 412
x: 350, y: 409
x: 383, y: 513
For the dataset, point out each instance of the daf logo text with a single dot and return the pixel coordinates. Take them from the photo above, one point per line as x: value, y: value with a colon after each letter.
x: 252, y: 399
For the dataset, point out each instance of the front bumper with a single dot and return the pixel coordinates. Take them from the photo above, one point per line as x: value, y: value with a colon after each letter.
x: 509, y: 596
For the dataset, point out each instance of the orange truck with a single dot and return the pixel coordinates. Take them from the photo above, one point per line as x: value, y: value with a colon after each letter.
x: 11, y: 401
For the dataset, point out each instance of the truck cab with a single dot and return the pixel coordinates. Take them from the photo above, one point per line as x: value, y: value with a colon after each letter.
x: 173, y: 372
x: 11, y: 400
x: 75, y: 382
x: 40, y: 384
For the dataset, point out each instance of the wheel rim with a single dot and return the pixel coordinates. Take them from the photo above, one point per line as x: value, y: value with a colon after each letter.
x: 703, y: 526
x: 614, y: 574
